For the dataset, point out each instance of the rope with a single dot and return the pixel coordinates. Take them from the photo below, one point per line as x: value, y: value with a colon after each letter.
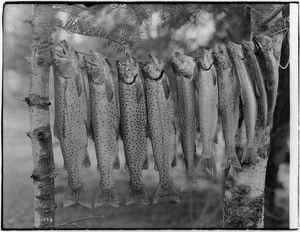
x: 287, y: 64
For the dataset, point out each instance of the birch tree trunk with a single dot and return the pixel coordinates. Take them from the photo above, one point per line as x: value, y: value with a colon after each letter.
x: 43, y: 174
x: 244, y: 191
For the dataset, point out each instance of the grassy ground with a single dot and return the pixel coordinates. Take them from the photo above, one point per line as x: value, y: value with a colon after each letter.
x: 198, y: 209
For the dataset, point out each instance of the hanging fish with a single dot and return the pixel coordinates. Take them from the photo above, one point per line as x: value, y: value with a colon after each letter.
x: 105, y: 126
x: 248, y: 99
x: 228, y: 98
x: 70, y: 124
x: 183, y: 68
x: 133, y: 128
x: 208, y: 107
x: 257, y: 78
x: 160, y: 111
x: 264, y: 50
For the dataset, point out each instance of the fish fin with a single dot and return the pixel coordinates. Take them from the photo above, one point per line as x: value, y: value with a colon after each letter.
x: 109, y: 90
x: 146, y: 163
x: 126, y: 167
x: 195, y: 85
x: 190, y: 183
x: 155, y: 166
x: 55, y: 129
x: 88, y: 129
x: 196, y: 159
x: 231, y: 159
x: 65, y: 166
x: 249, y: 155
x: 214, y: 79
x: 257, y: 93
x: 117, y: 163
x: 241, y: 111
x: 106, y: 196
x: 197, y: 117
x: 86, y: 161
x: 215, y: 139
x: 91, y: 132
x: 134, y: 195
x: 169, y: 193
x: 78, y: 85
x: 166, y: 88
x: 208, y: 163
x: 139, y: 92
x: 174, y: 161
x: 80, y: 195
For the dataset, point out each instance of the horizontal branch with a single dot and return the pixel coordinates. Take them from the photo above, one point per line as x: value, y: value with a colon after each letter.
x: 273, y: 14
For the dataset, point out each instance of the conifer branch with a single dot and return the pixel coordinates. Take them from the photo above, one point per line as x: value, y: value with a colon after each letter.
x: 138, y: 13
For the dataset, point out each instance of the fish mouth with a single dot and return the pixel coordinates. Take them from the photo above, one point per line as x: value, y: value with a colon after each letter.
x: 257, y: 44
x: 90, y: 59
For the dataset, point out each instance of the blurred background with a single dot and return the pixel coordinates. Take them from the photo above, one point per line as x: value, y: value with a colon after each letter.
x: 170, y: 28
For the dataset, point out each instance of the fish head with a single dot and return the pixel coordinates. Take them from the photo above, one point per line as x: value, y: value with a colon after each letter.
x: 235, y: 50
x: 128, y: 70
x: 66, y: 60
x: 153, y: 69
x: 204, y: 59
x: 248, y: 47
x: 263, y: 43
x: 94, y: 67
x: 183, y: 65
x: 221, y: 60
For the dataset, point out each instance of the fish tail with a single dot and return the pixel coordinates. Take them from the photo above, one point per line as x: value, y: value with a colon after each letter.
x: 106, y: 196
x: 208, y: 163
x: 174, y: 161
x: 215, y: 139
x: 134, y: 195
x: 78, y: 195
x: 86, y: 161
x: 196, y: 159
x: 190, y: 183
x: 249, y: 155
x: 166, y: 190
x: 146, y: 163
x: 231, y: 159
x: 117, y: 163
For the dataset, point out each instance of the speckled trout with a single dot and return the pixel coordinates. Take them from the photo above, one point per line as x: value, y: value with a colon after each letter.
x: 248, y: 99
x: 160, y: 111
x: 183, y: 68
x: 133, y: 127
x: 264, y: 49
x: 257, y: 78
x: 208, y: 107
x: 104, y: 125
x: 228, y: 96
x: 70, y: 124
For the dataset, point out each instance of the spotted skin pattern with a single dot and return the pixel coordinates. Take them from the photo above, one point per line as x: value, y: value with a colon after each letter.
x: 105, y: 125
x: 70, y: 122
x: 183, y: 69
x: 228, y: 107
x: 248, y: 99
x: 133, y: 128
x: 208, y: 107
x: 160, y: 111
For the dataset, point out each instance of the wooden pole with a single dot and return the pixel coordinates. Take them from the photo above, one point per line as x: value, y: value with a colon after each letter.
x: 43, y: 174
x: 244, y: 191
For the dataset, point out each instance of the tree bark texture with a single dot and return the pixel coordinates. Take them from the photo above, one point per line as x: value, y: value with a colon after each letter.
x: 244, y: 191
x: 43, y: 174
